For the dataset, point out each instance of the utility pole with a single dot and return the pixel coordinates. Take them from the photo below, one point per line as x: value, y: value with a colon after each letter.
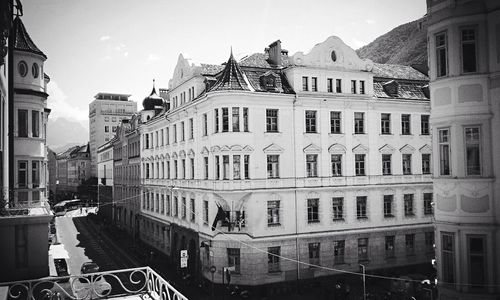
x: 364, y: 280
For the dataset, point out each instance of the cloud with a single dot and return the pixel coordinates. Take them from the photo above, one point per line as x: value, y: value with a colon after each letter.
x: 370, y: 21
x: 104, y: 38
x: 58, y: 103
x: 153, y: 57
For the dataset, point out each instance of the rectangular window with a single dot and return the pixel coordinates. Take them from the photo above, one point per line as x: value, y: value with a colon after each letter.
x: 271, y: 120
x: 233, y: 259
x: 273, y: 259
x: 312, y: 165
x: 236, y: 119
x: 217, y: 167
x: 469, y: 64
x: 225, y: 167
x: 408, y: 205
x: 359, y: 164
x: 305, y: 84
x: 245, y: 119
x: 191, y: 129
x: 361, y: 207
x: 444, y: 151
x: 168, y: 206
x: 406, y: 164
x: 205, y: 212
x: 338, y: 252
x: 410, y: 244
x: 22, y: 123
x: 176, y: 206
x: 247, y: 166
x: 389, y: 246
x: 426, y: 163
x: 191, y: 162
x: 314, y: 254
x: 338, y: 85
x: 162, y: 204
x: 183, y: 137
x: 236, y: 167
x: 314, y: 83
x: 205, y: 125
x: 273, y: 166
x: 310, y: 121
x: 273, y: 213
x: 167, y: 138
x: 477, y: 261
x: 472, y: 150
x: 386, y: 164
x: 361, y: 86
x: 335, y: 122
x: 216, y: 120
x: 175, y: 133
x: 338, y: 208
x: 448, y: 257
x: 428, y: 204
x: 359, y: 123
x: 424, y: 125
x: 329, y: 85
x: 22, y: 174
x: 35, y: 123
x: 385, y: 123
x: 205, y: 167
x: 168, y: 169
x: 405, y: 124
x: 336, y: 160
x: 362, y: 249
x: 183, y: 208
x: 183, y: 165
x: 313, y: 210
x: 35, y: 173
x: 388, y: 206
x: 353, y: 86
x: 176, y: 169
x: 193, y: 210
x: 441, y: 54
x: 429, y: 242
x: 106, y: 128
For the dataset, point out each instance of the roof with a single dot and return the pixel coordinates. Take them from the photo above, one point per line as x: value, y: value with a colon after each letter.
x: 397, y: 72
x: 231, y: 78
x: 207, y: 69
x: 405, y: 90
x: 260, y: 60
x: 22, y: 40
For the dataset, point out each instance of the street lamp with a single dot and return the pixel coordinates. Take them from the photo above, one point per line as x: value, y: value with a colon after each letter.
x: 363, y: 269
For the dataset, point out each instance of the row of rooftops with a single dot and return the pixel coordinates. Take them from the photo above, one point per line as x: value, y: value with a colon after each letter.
x: 74, y: 152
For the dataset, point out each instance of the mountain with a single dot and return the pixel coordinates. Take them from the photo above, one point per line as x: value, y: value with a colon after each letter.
x: 61, y: 132
x: 404, y: 45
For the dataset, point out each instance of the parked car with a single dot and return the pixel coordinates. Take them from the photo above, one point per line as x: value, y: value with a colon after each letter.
x: 89, y: 267
x: 90, y: 286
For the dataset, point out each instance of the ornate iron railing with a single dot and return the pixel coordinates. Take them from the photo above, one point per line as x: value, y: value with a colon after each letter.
x: 103, y: 285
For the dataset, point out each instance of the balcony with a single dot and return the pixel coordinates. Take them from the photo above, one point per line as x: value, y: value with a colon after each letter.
x: 137, y: 283
x: 38, y: 208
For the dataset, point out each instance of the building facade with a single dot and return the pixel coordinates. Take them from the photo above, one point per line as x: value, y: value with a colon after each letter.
x: 73, y: 169
x: 321, y: 158
x: 105, y: 180
x: 464, y: 60
x: 105, y: 114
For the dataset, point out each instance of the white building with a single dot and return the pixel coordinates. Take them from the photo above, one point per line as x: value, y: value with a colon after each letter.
x: 464, y: 59
x: 105, y: 114
x: 319, y: 157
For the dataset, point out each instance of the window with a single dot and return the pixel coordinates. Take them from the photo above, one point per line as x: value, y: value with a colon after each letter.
x: 305, y: 84
x: 22, y: 67
x: 236, y: 167
x: 329, y: 85
x: 168, y: 205
x: 35, y: 173
x: 35, y: 123
x: 273, y: 259
x: 406, y: 164
x: 236, y: 119
x: 167, y: 131
x: 388, y: 206
x: 362, y: 249
x: 247, y: 166
x: 157, y: 203
x: 405, y: 124
x: 233, y: 259
x: 225, y: 167
x: 191, y: 128
x: 183, y: 137
x: 217, y: 167
x: 385, y: 123
x: 386, y: 164
x: 428, y: 204
x: 193, y: 210
x: 183, y: 165
x: 444, y: 152
x: 21, y: 240
x: 359, y: 123
x: 426, y: 163
x: 216, y: 120
x: 472, y: 150
x: 424, y: 125
x: 310, y: 121
x: 175, y: 133
x: 176, y: 169
x: 448, y: 257
x: 441, y: 54
x: 312, y: 165
x: 22, y: 123
x: 205, y: 212
x: 245, y: 119
x: 353, y: 86
x: 273, y: 166
x: 314, y: 254
x: 191, y: 162
x: 429, y: 242
x: 410, y: 244
x: 361, y: 86
x: 469, y: 50
x: 361, y: 207
x: 168, y: 169
x: 313, y: 210
x: 183, y: 208
x: 271, y: 120
x: 338, y: 85
x: 338, y: 208
x: 205, y: 125
x: 408, y: 204
x: 335, y: 121
x: 477, y: 261
x: 338, y: 251
x: 205, y: 167
x: 113, y: 129
x: 314, y: 83
x: 22, y: 174
x: 336, y: 160
x: 389, y: 246
x: 273, y: 213
x: 359, y: 164
x: 106, y: 128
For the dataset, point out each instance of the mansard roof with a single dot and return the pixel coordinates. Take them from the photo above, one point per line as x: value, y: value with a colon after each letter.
x: 397, y: 72
x: 22, y: 40
x: 231, y: 78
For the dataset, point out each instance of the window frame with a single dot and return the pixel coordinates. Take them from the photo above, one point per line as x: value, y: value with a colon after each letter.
x: 272, y: 120
x: 438, y: 48
x: 335, y: 122
x: 359, y: 123
x: 311, y: 119
x: 313, y: 210
x: 273, y: 165
x: 463, y: 43
x: 337, y: 208
x: 273, y: 213
x: 444, y: 144
x: 476, y: 144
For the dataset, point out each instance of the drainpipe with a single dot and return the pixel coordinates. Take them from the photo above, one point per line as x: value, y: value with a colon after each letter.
x: 294, y: 146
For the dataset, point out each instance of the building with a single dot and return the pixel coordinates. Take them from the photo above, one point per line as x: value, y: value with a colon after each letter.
x: 105, y: 114
x: 24, y: 213
x: 464, y: 60
x: 319, y: 157
x: 105, y: 180
x: 73, y: 169
x: 52, y: 173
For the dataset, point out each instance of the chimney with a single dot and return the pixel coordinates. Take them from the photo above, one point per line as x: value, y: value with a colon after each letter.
x: 275, y: 53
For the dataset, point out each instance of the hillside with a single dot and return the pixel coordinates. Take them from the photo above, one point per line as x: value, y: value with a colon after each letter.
x: 404, y: 45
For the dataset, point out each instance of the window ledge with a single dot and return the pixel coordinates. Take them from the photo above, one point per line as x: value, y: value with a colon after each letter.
x: 389, y: 216
x: 362, y: 218
x: 338, y: 220
x: 273, y: 224
x: 386, y: 134
x: 313, y: 222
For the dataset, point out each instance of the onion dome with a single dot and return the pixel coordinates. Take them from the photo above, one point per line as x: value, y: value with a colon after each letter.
x: 22, y: 40
x: 231, y: 78
x: 153, y: 101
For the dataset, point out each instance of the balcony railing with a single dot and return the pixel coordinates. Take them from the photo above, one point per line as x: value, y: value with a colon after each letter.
x: 13, y: 209
x: 140, y: 282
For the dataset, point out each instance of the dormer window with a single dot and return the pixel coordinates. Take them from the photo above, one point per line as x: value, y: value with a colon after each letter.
x: 268, y: 81
x: 391, y: 88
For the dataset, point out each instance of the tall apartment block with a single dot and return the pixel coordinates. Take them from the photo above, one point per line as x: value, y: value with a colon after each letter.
x: 105, y: 113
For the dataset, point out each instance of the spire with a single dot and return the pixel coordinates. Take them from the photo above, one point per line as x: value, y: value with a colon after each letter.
x: 232, y: 77
x: 153, y: 92
x: 22, y: 40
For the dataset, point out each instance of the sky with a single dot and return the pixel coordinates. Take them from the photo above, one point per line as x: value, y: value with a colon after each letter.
x: 120, y: 46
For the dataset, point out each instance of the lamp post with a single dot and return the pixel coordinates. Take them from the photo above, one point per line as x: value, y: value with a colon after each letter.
x: 363, y: 269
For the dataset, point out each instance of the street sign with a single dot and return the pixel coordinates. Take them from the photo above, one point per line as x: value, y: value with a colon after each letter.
x: 184, y: 258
